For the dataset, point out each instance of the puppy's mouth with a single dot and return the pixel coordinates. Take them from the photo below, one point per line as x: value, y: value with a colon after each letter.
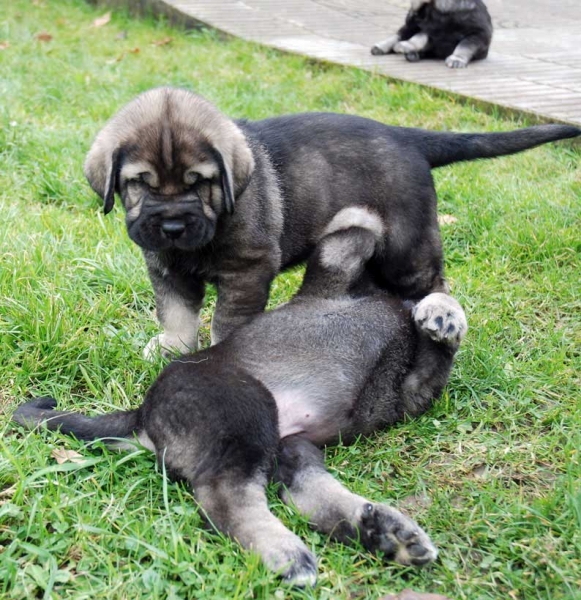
x: 161, y: 229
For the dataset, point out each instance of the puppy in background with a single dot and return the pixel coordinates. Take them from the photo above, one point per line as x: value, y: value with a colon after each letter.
x: 457, y: 30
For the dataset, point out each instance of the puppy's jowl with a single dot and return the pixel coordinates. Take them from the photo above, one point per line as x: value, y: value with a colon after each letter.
x: 455, y: 30
x: 209, y: 199
x: 343, y: 358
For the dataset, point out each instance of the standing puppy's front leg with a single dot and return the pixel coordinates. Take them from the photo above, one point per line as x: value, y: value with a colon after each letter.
x: 178, y: 302
x: 242, y: 295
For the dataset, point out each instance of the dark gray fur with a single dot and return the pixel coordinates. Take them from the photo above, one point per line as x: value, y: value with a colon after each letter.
x: 342, y: 358
x: 458, y: 31
x: 288, y: 177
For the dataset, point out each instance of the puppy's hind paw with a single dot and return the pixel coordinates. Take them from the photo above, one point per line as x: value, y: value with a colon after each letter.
x: 399, y: 538
x: 442, y: 318
x: 456, y: 62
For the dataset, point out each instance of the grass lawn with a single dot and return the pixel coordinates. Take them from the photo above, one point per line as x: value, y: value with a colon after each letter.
x: 492, y: 471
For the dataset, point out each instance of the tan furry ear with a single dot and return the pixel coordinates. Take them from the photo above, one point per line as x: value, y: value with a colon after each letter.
x: 101, y: 169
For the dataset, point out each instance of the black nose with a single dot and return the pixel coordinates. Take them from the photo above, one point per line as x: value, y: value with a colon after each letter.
x: 173, y: 228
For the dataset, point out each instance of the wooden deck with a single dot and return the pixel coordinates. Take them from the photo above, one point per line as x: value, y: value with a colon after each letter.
x: 534, y: 65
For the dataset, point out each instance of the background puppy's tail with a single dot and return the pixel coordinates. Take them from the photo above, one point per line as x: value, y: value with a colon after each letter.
x: 441, y: 148
x: 41, y: 412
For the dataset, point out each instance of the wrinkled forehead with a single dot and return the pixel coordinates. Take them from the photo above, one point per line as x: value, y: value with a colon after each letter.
x: 167, y: 149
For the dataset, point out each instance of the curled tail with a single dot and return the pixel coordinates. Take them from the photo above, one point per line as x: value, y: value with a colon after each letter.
x: 442, y: 148
x: 41, y: 412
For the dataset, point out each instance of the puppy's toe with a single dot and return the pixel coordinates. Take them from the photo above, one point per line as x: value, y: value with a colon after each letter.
x: 442, y: 318
x: 397, y: 537
x: 412, y: 56
x: 292, y: 560
x: 456, y: 62
x: 303, y: 570
x: 377, y: 50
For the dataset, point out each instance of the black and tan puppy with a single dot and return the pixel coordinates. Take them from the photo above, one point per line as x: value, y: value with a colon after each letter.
x: 456, y: 30
x: 232, y: 203
x: 343, y: 358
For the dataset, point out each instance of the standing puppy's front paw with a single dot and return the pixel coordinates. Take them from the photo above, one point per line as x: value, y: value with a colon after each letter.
x: 456, y: 62
x: 398, y: 537
x: 442, y: 318
x: 166, y: 346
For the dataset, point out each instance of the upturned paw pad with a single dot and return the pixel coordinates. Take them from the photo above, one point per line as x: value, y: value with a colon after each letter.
x: 442, y: 318
x: 386, y: 530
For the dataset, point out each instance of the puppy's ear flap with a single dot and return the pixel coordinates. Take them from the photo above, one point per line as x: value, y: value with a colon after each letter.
x: 102, y: 170
x: 225, y: 183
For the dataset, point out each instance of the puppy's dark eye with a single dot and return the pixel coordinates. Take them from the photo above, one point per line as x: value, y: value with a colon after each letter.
x: 191, y: 178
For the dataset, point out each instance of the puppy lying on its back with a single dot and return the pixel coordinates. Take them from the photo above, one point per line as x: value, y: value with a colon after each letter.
x: 341, y: 359
x: 457, y: 30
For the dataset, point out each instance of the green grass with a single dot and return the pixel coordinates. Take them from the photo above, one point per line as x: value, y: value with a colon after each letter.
x: 492, y: 471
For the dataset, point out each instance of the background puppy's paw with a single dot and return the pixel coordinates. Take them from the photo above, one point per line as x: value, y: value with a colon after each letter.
x: 404, y: 47
x: 442, y: 318
x: 401, y: 539
x: 384, y: 47
x: 456, y: 62
x: 166, y: 346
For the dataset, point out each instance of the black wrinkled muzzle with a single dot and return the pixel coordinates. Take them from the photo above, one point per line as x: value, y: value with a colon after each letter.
x: 178, y: 224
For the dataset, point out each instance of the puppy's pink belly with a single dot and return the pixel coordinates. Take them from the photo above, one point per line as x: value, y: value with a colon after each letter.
x: 299, y: 414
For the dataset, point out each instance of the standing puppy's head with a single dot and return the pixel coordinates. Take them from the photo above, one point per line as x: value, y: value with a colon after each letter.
x: 176, y: 162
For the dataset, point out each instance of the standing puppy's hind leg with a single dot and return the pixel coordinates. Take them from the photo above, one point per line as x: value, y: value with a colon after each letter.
x: 333, y: 509
x: 348, y: 242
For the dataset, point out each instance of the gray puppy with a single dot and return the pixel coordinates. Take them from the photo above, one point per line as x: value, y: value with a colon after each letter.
x: 232, y: 203
x: 457, y: 30
x: 342, y: 358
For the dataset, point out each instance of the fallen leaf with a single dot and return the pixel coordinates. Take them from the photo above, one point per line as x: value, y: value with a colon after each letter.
x: 4, y: 45
x: 134, y: 51
x: 62, y: 456
x: 411, y: 595
x: 163, y: 42
x: 43, y: 36
x: 447, y: 219
x: 101, y: 21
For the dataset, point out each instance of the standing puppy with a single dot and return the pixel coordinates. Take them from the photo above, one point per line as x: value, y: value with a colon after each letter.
x: 212, y: 200
x: 457, y: 30
x: 341, y: 359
